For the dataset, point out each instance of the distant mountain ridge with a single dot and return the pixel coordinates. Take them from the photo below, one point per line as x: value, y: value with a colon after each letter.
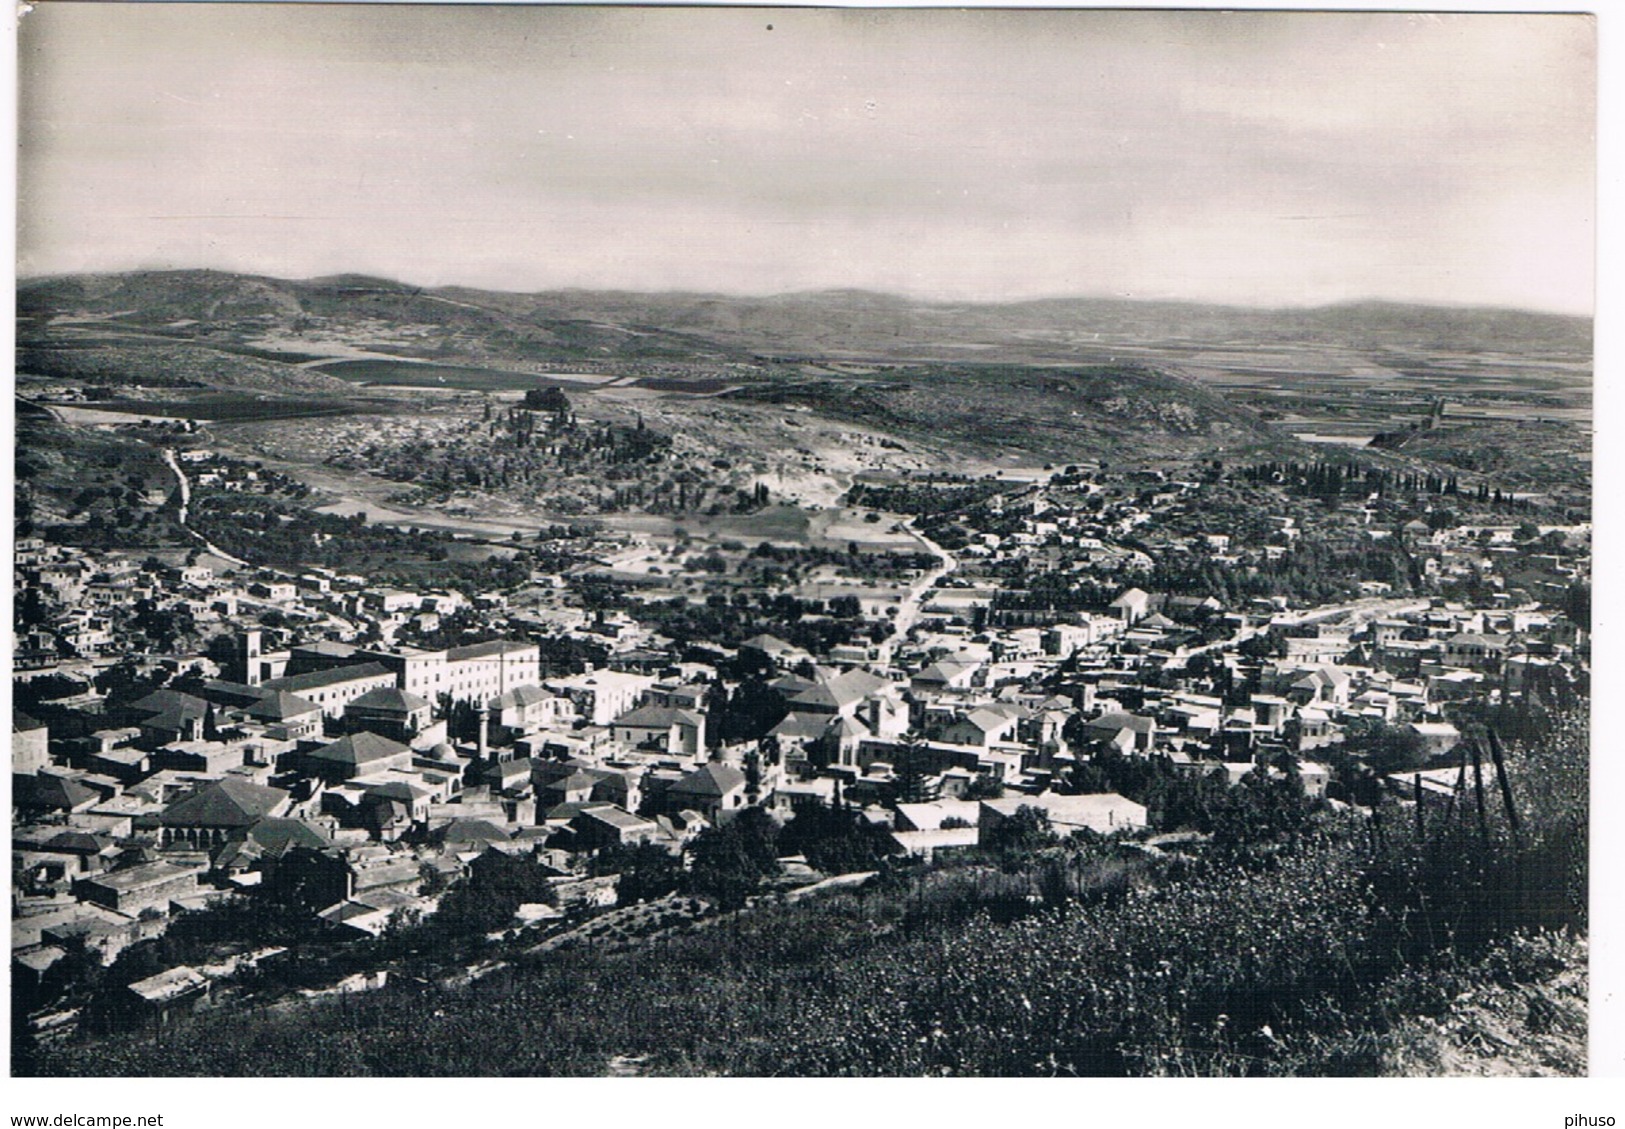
x: 829, y: 323
x: 1057, y: 377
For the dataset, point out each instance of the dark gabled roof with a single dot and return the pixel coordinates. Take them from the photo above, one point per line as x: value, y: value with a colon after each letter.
x: 848, y: 727
x: 857, y: 683
x: 276, y: 836
x: 944, y: 669
x: 574, y: 808
x: 656, y: 717
x: 575, y: 781
x: 359, y: 749
x: 502, y: 770
x: 788, y: 684
x: 47, y: 791
x: 840, y: 691
x: 1323, y: 676
x: 801, y: 726
x: 486, y: 650
x: 172, y: 721
x: 385, y: 810
x: 269, y: 838
x: 225, y: 803
x: 713, y: 779
x: 169, y: 701
x: 280, y: 705
x: 521, y: 696
x: 820, y: 695
x: 320, y: 679
x: 1116, y: 722
x: 22, y: 723
x: 77, y: 843
x: 389, y: 698
x: 989, y: 721
x: 618, y: 818
x: 398, y: 790
x: 227, y: 693
x: 473, y: 831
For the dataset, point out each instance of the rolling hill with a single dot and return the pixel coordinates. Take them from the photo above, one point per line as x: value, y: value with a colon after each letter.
x: 827, y: 324
x: 1061, y: 378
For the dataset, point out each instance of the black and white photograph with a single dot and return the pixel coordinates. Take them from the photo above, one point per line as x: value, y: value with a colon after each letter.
x: 800, y: 542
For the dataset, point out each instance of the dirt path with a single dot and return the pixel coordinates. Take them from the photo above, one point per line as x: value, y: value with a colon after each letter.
x: 186, y: 502
x: 909, y: 610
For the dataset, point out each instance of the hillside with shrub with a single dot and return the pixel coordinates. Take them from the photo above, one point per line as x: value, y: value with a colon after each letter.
x: 1299, y: 940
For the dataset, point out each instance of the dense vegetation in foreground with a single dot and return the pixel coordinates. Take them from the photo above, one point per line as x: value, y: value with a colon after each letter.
x: 1298, y: 942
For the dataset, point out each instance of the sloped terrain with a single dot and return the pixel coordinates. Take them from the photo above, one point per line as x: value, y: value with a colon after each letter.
x: 822, y: 324
x: 1524, y: 454
x: 209, y: 329
x: 119, y: 363
x: 1059, y: 379
x: 1060, y: 414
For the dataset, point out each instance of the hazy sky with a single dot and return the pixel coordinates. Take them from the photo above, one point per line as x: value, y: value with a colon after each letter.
x: 1251, y: 158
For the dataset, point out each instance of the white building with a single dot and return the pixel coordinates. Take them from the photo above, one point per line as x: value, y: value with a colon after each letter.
x: 602, y: 695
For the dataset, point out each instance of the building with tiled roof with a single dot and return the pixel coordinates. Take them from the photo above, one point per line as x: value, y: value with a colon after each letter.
x: 981, y: 727
x: 358, y: 755
x: 677, y: 731
x: 526, y: 709
x: 605, y: 825
x: 463, y: 834
x: 335, y: 689
x: 603, y: 695
x: 1129, y: 732
x: 270, y: 838
x: 218, y: 811
x: 945, y: 674
x: 481, y: 671
x: 287, y: 716
x: 389, y: 712
x: 714, y: 790
x: 390, y: 699
x: 281, y: 705
x: 841, y: 694
x: 47, y: 792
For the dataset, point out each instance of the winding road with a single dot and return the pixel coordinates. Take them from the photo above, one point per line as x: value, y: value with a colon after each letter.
x: 186, y: 502
x: 911, y: 605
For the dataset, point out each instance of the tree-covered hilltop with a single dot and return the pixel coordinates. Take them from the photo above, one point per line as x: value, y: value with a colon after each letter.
x: 540, y: 450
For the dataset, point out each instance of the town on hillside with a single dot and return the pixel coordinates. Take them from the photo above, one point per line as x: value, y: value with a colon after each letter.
x: 221, y: 768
